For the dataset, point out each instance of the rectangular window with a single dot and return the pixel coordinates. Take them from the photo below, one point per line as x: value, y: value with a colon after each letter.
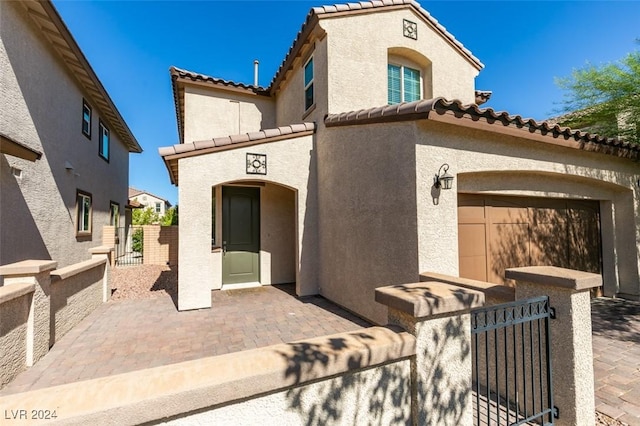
x: 114, y: 214
x: 403, y: 84
x: 103, y: 142
x: 83, y: 213
x: 308, y: 85
x: 86, y: 119
x: 158, y: 207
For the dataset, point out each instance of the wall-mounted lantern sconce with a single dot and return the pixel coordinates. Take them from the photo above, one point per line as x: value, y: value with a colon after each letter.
x: 444, y: 180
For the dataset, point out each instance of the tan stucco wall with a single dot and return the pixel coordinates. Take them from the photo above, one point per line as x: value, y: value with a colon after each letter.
x: 42, y: 107
x: 74, y: 297
x: 379, y: 224
x: 357, y: 74
x: 211, y: 113
x: 277, y: 235
x: 13, y: 336
x: 290, y: 97
x: 485, y: 163
x: 368, y: 229
x: 360, y: 398
x: 290, y: 163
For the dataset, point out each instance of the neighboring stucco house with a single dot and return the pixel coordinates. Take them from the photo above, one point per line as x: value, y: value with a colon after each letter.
x: 64, y: 166
x: 148, y: 200
x: 326, y: 178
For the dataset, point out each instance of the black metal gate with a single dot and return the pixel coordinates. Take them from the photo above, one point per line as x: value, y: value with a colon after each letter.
x: 129, y: 246
x: 512, y: 363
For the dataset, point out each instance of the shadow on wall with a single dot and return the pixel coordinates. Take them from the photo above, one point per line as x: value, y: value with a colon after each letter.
x: 309, y: 360
x: 310, y: 247
x: 20, y: 238
x: 442, y: 351
x: 549, y: 233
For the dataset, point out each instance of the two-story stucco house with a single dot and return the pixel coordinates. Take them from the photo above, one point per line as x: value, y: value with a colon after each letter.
x: 64, y: 166
x: 335, y: 176
x: 147, y: 200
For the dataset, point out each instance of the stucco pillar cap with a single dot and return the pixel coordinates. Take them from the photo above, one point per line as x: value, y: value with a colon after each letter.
x: 555, y: 277
x: 101, y: 250
x: 429, y: 298
x: 28, y: 267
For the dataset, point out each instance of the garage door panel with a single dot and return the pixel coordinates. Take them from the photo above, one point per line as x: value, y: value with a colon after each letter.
x: 549, y: 243
x: 527, y: 231
x: 508, y: 248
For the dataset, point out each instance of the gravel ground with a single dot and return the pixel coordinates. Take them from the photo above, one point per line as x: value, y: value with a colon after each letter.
x: 144, y: 282
x: 149, y: 281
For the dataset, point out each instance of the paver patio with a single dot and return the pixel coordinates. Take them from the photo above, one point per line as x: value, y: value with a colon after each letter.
x: 129, y: 335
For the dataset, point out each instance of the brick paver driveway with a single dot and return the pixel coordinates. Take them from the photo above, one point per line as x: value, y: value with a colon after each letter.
x: 616, y: 358
x: 131, y: 335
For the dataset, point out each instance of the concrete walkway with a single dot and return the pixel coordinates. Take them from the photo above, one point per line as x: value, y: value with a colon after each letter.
x: 132, y: 335
x: 136, y: 334
x: 616, y: 358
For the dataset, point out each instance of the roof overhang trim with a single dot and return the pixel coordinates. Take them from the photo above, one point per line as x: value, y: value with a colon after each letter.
x: 49, y: 22
x: 16, y: 149
x: 454, y: 113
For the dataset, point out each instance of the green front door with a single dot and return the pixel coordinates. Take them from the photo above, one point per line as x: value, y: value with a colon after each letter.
x: 240, y: 235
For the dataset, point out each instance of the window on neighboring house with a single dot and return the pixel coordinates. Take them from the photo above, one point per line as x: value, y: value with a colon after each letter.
x: 114, y: 214
x: 86, y: 119
x: 308, y: 85
x: 104, y: 141
x: 83, y: 213
x: 404, y: 84
x: 158, y: 207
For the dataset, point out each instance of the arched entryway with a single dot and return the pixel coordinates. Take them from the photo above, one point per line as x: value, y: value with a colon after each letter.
x: 254, y: 234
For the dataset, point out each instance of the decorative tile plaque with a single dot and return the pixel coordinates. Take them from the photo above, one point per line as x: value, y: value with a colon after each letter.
x: 410, y: 29
x: 256, y: 164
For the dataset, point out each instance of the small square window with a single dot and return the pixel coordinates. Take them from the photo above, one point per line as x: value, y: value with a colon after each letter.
x: 86, y: 119
x: 83, y: 213
x: 404, y: 84
x: 104, y: 142
x: 308, y: 85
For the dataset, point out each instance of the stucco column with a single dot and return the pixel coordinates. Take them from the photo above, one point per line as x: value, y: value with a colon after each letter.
x: 437, y: 314
x: 102, y: 252
x: 38, y: 329
x: 571, y: 346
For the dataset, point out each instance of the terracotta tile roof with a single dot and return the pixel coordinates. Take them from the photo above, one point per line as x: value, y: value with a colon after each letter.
x: 55, y: 32
x: 314, y: 15
x: 171, y: 154
x: 454, y: 112
x: 364, y: 7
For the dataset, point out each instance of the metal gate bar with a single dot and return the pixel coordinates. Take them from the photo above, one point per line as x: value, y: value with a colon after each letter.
x: 512, y: 372
x: 129, y: 246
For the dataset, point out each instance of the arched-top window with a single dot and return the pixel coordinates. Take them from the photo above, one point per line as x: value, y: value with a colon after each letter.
x: 408, y: 76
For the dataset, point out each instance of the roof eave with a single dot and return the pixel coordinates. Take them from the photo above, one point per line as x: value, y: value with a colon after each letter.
x: 43, y: 11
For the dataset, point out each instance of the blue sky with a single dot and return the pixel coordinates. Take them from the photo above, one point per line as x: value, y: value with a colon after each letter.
x: 131, y: 45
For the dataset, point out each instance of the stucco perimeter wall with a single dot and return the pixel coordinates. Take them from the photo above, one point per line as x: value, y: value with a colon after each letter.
x: 15, y: 301
x: 76, y: 291
x: 290, y: 163
x: 366, y: 379
x: 358, y: 68
x: 211, y: 113
x: 42, y: 108
x: 368, y: 229
x: 498, y: 164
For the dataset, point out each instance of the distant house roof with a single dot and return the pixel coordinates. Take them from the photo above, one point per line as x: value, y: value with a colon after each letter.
x: 171, y: 154
x: 454, y: 112
x: 17, y: 149
x: 133, y: 193
x: 303, y: 38
x: 54, y: 30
